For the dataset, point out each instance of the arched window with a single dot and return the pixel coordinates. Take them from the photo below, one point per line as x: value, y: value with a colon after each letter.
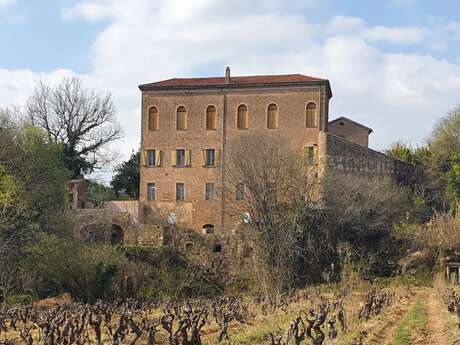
x: 272, y: 116
x: 181, y: 119
x: 311, y: 115
x: 211, y: 117
x: 242, y: 121
x: 154, y: 119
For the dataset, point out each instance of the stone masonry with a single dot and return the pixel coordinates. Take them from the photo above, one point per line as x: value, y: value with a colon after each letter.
x: 340, y: 144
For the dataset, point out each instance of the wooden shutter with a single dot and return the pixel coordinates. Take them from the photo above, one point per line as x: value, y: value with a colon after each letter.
x: 188, y: 156
x: 157, y: 158
x: 173, y: 158
x: 143, y: 158
x: 203, y: 158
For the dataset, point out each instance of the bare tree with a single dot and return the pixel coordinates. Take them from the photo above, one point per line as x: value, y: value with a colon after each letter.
x: 276, y: 194
x: 83, y: 121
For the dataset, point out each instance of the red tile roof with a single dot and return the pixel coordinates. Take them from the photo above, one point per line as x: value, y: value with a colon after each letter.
x: 237, y: 80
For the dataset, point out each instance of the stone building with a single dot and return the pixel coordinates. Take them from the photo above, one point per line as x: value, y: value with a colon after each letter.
x: 189, y: 125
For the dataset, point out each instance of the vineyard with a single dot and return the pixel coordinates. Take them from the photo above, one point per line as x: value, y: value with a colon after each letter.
x: 376, y: 316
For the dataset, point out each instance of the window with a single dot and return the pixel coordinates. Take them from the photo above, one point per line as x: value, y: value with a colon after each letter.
x: 154, y: 119
x: 211, y: 117
x: 208, y: 229
x: 181, y: 158
x: 180, y: 191
x: 310, y: 155
x: 210, y: 158
x: 181, y: 119
x: 311, y: 115
x: 239, y: 195
x: 151, y: 191
x: 209, y: 191
x: 151, y: 158
x: 272, y: 116
x: 242, y: 117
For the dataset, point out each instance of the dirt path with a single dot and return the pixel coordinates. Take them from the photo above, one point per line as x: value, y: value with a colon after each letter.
x: 383, y: 333
x: 436, y: 327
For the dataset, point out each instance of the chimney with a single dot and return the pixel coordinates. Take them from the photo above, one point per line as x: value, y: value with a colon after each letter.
x: 227, y: 75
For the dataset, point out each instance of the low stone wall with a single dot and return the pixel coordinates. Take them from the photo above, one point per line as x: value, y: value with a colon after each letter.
x: 106, y: 220
x: 348, y: 157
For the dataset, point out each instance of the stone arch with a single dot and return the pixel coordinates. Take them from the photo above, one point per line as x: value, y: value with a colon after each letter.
x: 117, y: 235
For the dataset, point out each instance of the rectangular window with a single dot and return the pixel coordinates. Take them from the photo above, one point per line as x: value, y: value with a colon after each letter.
x: 239, y: 195
x: 310, y: 155
x: 180, y: 191
x: 180, y: 158
x: 210, y: 160
x: 151, y: 158
x: 209, y: 191
x: 151, y: 191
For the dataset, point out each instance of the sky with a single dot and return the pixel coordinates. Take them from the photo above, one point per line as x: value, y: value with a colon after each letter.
x: 393, y: 65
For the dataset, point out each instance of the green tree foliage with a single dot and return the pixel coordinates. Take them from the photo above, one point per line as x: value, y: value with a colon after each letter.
x: 425, y: 192
x: 33, y: 185
x: 126, y: 179
x: 97, y: 192
x: 87, y: 272
x: 40, y: 179
x: 444, y: 146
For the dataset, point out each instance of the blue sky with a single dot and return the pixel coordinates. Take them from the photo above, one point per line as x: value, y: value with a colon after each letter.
x: 393, y: 65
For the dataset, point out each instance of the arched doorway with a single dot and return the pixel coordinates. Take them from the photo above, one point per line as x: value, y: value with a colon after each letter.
x: 116, y: 235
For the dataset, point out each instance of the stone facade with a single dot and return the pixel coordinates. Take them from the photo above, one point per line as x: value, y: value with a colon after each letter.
x: 340, y: 144
x: 290, y: 97
x: 348, y: 157
x: 351, y: 130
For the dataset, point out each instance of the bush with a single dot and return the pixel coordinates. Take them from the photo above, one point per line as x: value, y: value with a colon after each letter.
x: 87, y: 272
x: 19, y: 299
x: 169, y: 274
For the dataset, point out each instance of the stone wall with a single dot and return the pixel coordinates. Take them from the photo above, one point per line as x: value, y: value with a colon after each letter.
x: 106, y: 223
x: 348, y: 157
x: 195, y: 212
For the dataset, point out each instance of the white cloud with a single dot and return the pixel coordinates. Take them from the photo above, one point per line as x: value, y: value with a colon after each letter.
x: 6, y: 3
x: 395, y: 35
x: 88, y: 11
x: 398, y: 95
x: 341, y: 24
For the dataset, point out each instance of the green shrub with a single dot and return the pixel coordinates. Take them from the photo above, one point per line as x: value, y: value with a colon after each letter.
x: 19, y: 299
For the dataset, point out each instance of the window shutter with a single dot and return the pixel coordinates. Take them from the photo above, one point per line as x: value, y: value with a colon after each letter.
x: 203, y: 158
x: 188, y: 155
x: 157, y: 158
x: 218, y: 157
x: 315, y: 154
x: 144, y: 158
x: 173, y: 158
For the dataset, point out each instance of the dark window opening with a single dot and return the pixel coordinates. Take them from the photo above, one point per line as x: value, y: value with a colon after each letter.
x: 210, y: 159
x: 217, y: 248
x: 116, y: 235
x: 180, y: 191
x: 208, y: 229
x: 180, y: 158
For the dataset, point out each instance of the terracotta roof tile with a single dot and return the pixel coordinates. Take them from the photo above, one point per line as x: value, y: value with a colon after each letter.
x: 234, y: 80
